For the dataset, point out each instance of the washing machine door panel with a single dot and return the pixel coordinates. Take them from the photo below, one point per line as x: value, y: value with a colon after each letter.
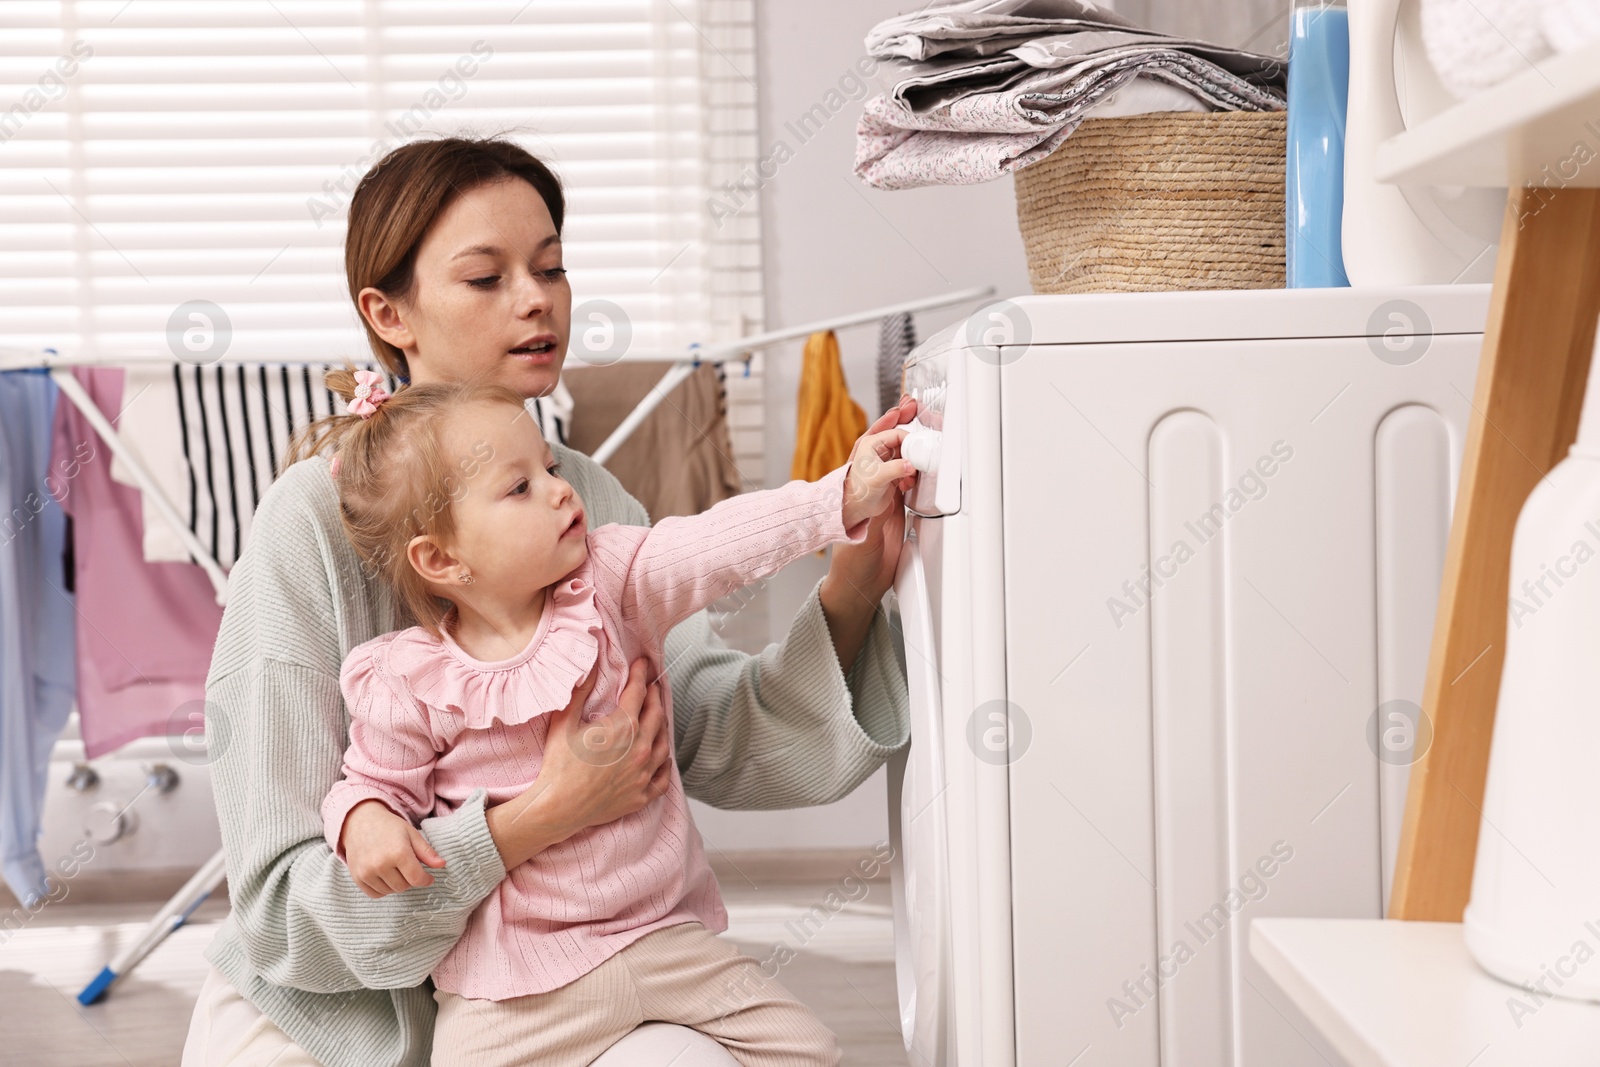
x: 1243, y: 540
x: 918, y: 831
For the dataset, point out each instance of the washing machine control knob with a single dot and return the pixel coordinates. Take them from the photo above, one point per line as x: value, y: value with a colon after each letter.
x: 108, y: 821
x: 160, y: 777
x: 83, y: 778
x: 921, y: 447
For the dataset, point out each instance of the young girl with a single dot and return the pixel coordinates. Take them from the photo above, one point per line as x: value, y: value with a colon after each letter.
x: 449, y: 492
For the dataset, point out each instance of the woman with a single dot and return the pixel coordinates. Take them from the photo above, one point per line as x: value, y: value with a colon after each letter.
x: 453, y: 258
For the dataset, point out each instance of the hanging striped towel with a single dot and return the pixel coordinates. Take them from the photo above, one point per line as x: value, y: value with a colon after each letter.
x: 897, y: 336
x: 212, y: 438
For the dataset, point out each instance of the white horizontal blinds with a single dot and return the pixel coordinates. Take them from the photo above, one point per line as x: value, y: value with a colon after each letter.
x: 733, y: 229
x: 733, y: 217
x: 202, y: 151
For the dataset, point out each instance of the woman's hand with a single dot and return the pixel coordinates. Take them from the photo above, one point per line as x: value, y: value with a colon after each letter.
x: 859, y: 575
x: 592, y: 773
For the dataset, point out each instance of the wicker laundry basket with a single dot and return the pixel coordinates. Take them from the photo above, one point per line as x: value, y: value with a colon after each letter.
x: 1170, y: 200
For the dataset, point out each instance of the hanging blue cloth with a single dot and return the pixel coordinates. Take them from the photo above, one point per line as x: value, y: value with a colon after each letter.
x: 36, y: 624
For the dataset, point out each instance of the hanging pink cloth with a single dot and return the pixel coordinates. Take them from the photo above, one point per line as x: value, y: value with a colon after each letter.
x: 144, y: 630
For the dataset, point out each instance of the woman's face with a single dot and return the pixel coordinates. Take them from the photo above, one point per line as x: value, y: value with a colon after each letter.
x: 490, y: 298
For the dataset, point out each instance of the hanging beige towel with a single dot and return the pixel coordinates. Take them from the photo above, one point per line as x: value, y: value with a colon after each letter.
x: 829, y: 421
x: 680, y: 459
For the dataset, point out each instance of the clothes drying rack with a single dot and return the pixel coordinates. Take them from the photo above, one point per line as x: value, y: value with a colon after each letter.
x: 194, y: 892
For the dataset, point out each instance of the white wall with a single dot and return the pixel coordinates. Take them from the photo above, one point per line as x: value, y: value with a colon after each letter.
x: 831, y: 245
x: 1259, y: 25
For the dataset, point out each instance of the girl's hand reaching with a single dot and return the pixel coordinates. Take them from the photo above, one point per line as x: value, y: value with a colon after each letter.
x: 876, y: 471
x: 384, y: 852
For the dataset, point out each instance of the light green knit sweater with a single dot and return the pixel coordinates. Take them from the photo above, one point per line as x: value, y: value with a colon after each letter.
x: 346, y: 976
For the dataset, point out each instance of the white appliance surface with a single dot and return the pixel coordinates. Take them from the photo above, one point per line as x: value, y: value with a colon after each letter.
x: 1118, y: 780
x: 146, y: 807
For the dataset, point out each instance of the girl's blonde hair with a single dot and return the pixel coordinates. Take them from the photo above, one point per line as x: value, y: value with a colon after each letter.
x: 395, y: 480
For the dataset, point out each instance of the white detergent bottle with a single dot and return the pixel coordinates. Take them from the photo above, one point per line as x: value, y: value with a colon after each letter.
x: 1412, y: 235
x: 1534, y: 916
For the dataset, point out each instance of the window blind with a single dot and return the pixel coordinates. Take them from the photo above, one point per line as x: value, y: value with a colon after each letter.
x: 165, y: 158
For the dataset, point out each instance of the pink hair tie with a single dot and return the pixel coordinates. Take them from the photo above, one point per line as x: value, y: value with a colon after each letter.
x: 369, y: 394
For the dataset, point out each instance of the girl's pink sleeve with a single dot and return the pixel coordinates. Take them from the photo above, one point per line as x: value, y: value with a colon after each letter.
x: 391, y: 754
x: 662, y: 574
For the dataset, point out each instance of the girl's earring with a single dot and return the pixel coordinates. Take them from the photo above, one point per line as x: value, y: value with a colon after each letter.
x: 464, y: 578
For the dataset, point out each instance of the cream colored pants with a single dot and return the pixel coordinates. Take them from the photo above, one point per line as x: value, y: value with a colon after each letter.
x: 678, y: 974
x: 227, y: 1030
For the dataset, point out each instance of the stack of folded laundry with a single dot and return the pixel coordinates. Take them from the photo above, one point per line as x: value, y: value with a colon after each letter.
x: 983, y: 87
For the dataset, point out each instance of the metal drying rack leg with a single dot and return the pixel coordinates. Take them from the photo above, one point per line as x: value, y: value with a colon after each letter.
x: 171, y: 916
x: 176, y: 911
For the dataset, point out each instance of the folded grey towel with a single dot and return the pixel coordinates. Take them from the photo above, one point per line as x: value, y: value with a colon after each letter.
x: 1041, y: 33
x: 1063, y: 49
x: 965, y: 112
x: 925, y: 85
x: 987, y: 135
x: 930, y: 31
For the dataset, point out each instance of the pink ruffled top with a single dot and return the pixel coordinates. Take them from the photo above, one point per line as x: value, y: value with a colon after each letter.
x: 429, y: 725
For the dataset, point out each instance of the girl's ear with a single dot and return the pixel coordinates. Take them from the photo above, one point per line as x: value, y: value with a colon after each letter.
x: 432, y: 562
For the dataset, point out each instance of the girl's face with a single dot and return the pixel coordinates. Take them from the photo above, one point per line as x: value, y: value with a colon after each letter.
x: 519, y: 525
x: 490, y: 298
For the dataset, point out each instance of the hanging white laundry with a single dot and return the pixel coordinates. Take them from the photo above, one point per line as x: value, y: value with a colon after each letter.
x: 148, y: 426
x: 553, y: 413
x: 212, y: 438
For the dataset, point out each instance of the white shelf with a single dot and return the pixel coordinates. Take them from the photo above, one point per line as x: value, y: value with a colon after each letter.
x: 1407, y: 994
x: 1508, y: 134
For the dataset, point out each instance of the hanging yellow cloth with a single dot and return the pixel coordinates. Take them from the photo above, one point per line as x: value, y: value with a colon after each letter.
x: 829, y: 421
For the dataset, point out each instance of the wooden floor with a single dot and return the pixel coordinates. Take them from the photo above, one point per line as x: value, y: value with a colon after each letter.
x: 844, y: 969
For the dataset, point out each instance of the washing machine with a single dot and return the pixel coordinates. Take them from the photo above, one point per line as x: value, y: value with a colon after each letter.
x: 1167, y: 596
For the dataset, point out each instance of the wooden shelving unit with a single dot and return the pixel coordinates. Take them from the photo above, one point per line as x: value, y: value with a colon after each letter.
x: 1408, y: 994
x: 1534, y: 367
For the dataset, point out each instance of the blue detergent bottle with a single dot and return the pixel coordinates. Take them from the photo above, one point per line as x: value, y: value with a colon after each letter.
x: 1319, y: 89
